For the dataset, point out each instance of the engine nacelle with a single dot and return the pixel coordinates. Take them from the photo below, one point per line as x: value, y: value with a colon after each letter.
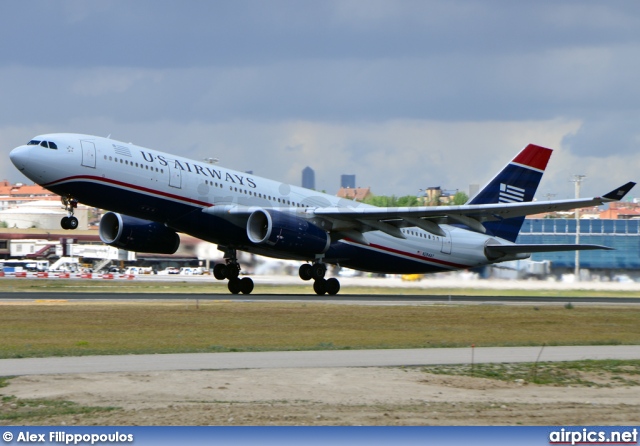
x: 286, y: 233
x: 135, y: 234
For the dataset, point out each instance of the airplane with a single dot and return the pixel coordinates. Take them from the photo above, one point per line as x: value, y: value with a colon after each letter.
x: 151, y: 196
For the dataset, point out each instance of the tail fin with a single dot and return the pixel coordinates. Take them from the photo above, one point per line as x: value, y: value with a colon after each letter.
x: 517, y: 182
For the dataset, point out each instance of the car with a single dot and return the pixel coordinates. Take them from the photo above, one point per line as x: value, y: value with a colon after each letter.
x: 169, y: 270
x: 191, y: 271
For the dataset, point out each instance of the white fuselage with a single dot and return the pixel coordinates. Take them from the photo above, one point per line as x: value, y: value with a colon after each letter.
x: 199, y: 198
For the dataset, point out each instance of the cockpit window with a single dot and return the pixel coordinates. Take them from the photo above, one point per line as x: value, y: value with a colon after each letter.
x: 46, y: 144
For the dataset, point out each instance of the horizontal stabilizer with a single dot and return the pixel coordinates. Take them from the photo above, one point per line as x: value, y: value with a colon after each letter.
x: 501, y: 250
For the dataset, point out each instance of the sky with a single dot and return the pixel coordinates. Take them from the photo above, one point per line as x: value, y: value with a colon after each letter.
x: 404, y: 94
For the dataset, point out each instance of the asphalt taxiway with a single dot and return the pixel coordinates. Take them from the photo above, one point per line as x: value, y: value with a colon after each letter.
x: 310, y: 359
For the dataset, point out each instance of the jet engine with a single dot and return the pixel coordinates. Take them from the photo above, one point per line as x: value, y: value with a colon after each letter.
x: 287, y: 233
x: 135, y: 234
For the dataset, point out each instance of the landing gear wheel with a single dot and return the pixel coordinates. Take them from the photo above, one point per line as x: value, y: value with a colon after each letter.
x: 219, y: 270
x: 231, y: 270
x: 73, y: 223
x: 234, y: 286
x: 305, y: 272
x: 70, y: 204
x: 332, y: 286
x: 318, y: 270
x: 320, y: 287
x: 246, y: 285
x: 69, y: 223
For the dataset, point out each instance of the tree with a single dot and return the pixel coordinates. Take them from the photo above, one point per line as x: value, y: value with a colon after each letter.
x: 408, y: 200
x: 459, y: 198
x: 392, y: 201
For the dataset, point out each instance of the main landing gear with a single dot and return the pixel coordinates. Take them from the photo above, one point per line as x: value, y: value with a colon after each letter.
x: 69, y: 222
x: 317, y: 271
x: 231, y: 270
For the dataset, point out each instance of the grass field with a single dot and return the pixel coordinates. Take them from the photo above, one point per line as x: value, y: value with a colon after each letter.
x: 61, y: 327
x: 33, y: 329
x: 603, y: 373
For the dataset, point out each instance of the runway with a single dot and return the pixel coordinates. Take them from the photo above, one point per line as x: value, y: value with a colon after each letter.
x: 341, y: 298
x: 310, y: 359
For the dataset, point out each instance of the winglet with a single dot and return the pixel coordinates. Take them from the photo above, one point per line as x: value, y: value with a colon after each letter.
x: 619, y: 193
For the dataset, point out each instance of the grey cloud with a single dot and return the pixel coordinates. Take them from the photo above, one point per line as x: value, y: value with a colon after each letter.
x: 157, y: 69
x: 165, y: 34
x: 601, y: 136
x: 447, y: 87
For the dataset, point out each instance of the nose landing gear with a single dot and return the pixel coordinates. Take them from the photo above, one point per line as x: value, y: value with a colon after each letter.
x: 69, y: 222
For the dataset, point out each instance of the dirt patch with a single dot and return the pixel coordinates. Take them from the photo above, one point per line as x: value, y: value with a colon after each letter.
x: 331, y: 396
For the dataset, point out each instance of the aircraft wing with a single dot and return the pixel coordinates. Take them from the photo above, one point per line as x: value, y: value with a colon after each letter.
x: 353, y: 220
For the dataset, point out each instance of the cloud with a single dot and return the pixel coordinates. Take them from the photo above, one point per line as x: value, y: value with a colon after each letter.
x: 600, y: 136
x: 403, y: 94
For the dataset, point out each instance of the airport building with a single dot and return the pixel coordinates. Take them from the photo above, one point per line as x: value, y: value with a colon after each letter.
x: 622, y: 235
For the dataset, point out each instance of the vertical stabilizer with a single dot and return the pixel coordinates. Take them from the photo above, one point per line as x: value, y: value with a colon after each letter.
x: 517, y: 182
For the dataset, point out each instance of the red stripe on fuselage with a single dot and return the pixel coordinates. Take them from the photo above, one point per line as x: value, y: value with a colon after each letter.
x: 127, y: 185
x: 534, y: 156
x: 408, y: 254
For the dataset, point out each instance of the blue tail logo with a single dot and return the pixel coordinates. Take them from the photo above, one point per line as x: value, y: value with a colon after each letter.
x: 517, y: 182
x: 511, y: 194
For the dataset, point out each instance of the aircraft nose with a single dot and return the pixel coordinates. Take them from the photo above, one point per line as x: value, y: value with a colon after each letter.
x: 19, y: 157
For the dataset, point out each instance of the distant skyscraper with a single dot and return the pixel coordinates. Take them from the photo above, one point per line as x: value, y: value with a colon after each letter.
x: 348, y: 181
x: 308, y: 178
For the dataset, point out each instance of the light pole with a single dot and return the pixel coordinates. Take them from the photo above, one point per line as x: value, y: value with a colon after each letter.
x: 577, y: 179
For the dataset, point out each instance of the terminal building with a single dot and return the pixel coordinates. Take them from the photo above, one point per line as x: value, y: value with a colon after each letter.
x: 621, y: 235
